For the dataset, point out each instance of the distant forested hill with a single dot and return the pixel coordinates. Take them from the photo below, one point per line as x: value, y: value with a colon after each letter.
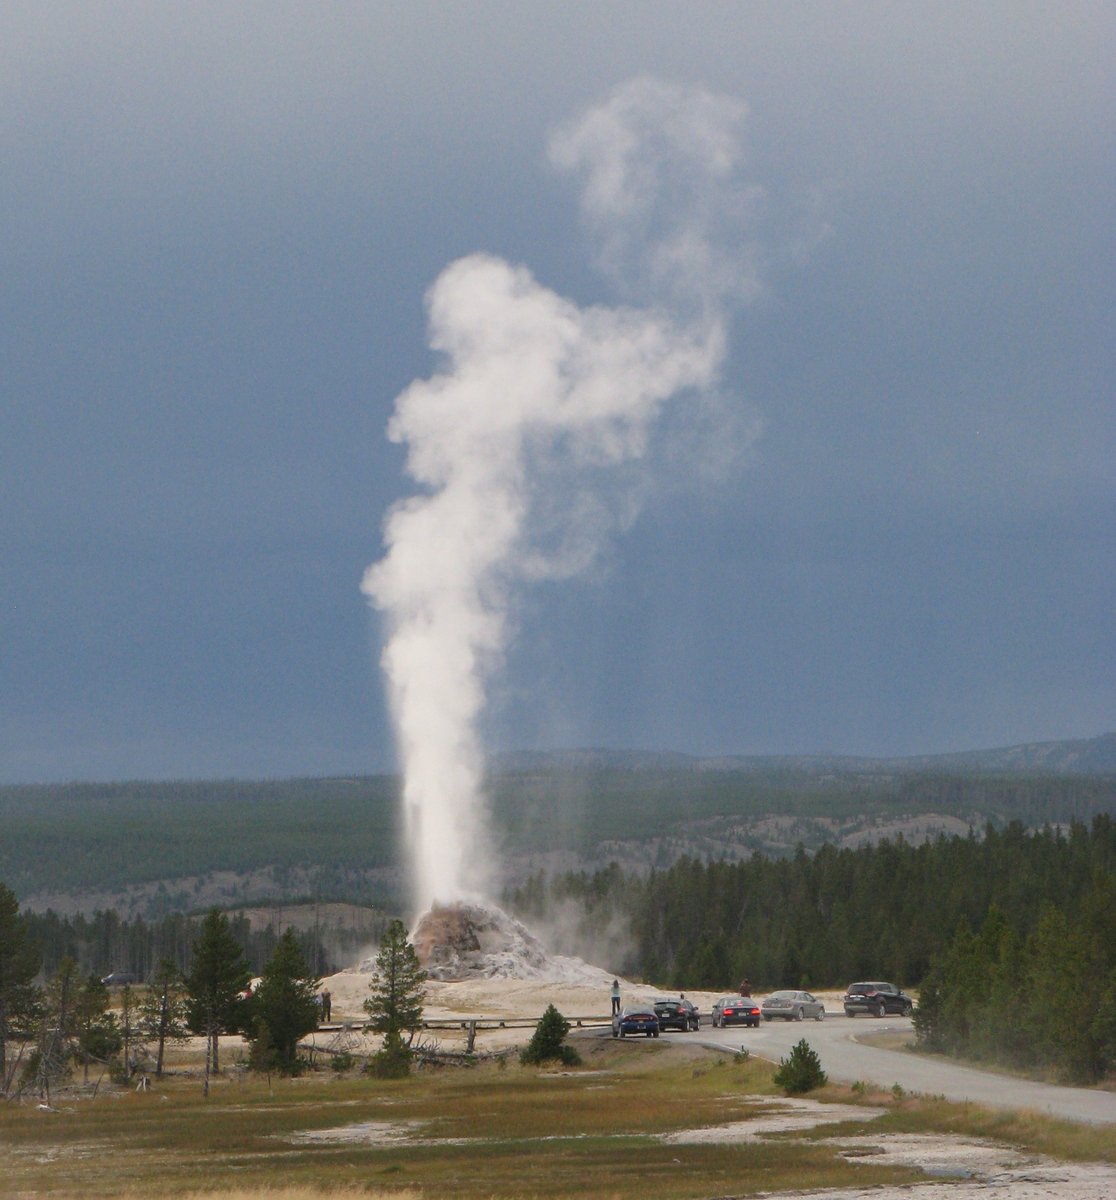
x: 160, y: 847
x: 304, y: 834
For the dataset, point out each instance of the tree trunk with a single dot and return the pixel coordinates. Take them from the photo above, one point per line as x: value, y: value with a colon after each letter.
x: 162, y: 1036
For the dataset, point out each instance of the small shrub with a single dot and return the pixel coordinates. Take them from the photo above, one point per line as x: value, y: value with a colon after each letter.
x: 898, y: 1092
x: 393, y: 1061
x: 800, y: 1071
x: 343, y: 1062
x: 859, y: 1088
x: 547, y: 1043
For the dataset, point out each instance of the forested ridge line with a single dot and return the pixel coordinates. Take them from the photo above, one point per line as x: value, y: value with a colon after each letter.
x: 90, y: 837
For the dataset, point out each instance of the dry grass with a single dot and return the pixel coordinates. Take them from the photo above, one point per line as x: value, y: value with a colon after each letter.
x: 479, y: 1133
x: 1033, y: 1131
x: 309, y: 1192
x: 468, y: 1134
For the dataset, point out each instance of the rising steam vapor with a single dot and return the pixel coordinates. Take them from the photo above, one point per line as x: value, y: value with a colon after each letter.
x: 516, y: 443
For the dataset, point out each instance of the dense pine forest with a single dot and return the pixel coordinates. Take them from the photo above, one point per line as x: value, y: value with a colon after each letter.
x: 885, y: 911
x: 104, y: 943
x: 1010, y: 936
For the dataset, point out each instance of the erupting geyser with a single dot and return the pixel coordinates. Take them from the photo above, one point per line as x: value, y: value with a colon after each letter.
x: 516, y: 444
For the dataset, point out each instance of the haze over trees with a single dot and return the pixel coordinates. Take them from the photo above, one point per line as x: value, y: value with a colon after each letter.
x: 107, y: 942
x: 815, y: 920
x: 1044, y: 999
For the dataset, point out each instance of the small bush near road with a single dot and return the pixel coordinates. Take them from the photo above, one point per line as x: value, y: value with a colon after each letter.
x: 801, y: 1071
x: 548, y: 1042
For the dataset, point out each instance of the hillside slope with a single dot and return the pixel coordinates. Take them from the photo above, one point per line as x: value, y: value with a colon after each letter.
x: 157, y: 847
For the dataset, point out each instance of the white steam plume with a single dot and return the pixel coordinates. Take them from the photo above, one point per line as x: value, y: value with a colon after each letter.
x: 538, y: 403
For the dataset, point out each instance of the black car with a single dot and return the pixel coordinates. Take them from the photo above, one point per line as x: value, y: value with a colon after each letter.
x: 677, y: 1014
x: 735, y: 1010
x: 877, y: 999
x: 119, y: 979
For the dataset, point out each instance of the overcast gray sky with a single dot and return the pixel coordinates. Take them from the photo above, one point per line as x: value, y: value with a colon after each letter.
x: 219, y: 223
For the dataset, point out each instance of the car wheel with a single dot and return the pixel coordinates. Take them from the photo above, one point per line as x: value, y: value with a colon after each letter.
x: 820, y: 1015
x: 799, y: 1015
x: 908, y: 1009
x: 849, y: 1012
x: 766, y: 1017
x: 880, y: 1010
x: 655, y: 1034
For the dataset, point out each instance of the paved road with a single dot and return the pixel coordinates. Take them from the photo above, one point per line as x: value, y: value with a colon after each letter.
x: 846, y: 1059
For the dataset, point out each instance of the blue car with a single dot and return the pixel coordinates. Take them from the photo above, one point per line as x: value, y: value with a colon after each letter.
x: 636, y: 1018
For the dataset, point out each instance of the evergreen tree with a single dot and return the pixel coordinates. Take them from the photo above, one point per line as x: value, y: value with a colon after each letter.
x: 547, y: 1044
x: 163, y: 1011
x: 286, y: 1006
x: 19, y: 963
x: 395, y: 1005
x: 95, y: 1028
x: 218, y: 975
x: 801, y: 1071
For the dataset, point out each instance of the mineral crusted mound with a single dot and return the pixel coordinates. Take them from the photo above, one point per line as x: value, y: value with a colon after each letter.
x: 455, y: 942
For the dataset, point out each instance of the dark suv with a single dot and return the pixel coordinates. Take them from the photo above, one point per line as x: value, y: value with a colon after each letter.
x: 877, y: 999
x: 677, y: 1014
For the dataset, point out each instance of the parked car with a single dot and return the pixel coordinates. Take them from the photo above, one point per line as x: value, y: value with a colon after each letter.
x: 676, y: 1014
x: 636, y: 1018
x: 733, y: 1010
x: 119, y: 979
x: 792, y: 1006
x: 877, y: 999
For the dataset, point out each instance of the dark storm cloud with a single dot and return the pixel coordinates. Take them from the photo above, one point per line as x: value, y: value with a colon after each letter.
x: 218, y: 226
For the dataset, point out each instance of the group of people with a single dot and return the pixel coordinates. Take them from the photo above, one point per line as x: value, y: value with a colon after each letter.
x: 745, y: 993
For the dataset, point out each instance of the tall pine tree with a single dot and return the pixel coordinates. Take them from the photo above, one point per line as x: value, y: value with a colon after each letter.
x: 19, y: 963
x: 395, y: 1004
x: 217, y: 976
x: 286, y: 1006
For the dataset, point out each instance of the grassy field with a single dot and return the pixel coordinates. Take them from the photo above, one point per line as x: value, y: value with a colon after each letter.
x: 496, y: 1129
x: 487, y: 1131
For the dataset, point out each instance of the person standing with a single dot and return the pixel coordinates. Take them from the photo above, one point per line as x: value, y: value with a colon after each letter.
x: 615, y: 997
x: 745, y: 988
x: 327, y: 1005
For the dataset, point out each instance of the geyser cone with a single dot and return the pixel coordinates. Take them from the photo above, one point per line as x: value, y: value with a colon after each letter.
x: 476, y: 941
